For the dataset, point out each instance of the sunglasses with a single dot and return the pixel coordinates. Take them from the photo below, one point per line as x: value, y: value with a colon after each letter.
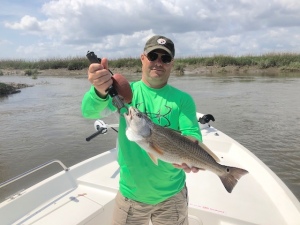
x: 165, y: 58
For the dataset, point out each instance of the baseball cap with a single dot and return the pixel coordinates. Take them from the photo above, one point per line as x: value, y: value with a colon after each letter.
x: 160, y: 42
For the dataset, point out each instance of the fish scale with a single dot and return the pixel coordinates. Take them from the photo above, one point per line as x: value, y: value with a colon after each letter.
x: 178, y: 146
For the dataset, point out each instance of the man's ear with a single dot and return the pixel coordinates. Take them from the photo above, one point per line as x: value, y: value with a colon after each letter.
x: 142, y: 57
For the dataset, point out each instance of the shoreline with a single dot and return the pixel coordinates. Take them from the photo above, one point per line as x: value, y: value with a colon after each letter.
x: 132, y: 73
x: 188, y: 70
x: 11, y: 88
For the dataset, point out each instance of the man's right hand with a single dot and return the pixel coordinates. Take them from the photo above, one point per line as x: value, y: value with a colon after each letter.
x: 100, y: 77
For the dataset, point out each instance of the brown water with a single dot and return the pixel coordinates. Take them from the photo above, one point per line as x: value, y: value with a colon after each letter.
x: 44, y: 122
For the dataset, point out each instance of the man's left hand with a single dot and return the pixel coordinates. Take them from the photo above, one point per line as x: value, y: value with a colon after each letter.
x: 186, y: 168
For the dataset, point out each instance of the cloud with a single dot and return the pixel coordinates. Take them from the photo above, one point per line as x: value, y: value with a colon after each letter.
x: 120, y: 28
x: 27, y: 23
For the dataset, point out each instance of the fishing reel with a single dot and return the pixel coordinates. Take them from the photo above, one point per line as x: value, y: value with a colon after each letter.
x: 100, y: 127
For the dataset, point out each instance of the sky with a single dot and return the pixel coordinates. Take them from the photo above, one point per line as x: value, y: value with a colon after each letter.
x: 45, y: 29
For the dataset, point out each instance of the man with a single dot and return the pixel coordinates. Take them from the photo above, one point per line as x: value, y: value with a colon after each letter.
x: 148, y: 191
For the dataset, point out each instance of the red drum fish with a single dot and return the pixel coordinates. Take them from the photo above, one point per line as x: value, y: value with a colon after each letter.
x: 170, y: 146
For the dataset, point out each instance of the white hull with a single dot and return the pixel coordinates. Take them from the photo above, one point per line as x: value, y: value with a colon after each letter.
x: 85, y: 194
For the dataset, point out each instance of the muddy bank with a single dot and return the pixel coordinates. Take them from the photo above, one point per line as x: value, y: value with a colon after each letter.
x: 201, y: 70
x: 135, y: 73
x: 11, y: 88
x: 195, y: 70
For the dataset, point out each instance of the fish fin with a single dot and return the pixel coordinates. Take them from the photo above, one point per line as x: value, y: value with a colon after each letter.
x: 210, y: 152
x: 153, y: 158
x: 156, y: 148
x: 231, y: 178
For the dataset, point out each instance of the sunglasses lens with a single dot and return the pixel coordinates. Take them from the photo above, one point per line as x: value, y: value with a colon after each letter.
x: 152, y: 56
x: 166, y: 58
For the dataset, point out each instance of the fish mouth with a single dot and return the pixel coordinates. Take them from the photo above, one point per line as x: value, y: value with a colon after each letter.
x: 128, y: 115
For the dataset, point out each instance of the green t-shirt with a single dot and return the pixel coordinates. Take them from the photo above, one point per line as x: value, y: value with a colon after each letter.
x: 140, y: 179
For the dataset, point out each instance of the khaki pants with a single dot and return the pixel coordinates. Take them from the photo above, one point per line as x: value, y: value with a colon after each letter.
x: 173, y: 211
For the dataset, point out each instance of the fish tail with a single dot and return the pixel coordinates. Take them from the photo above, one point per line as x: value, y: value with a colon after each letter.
x: 231, y: 177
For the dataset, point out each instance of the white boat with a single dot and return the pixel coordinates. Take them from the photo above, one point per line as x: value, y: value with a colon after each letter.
x: 84, y: 193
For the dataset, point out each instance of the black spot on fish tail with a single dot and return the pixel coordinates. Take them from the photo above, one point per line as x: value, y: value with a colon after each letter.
x: 231, y: 177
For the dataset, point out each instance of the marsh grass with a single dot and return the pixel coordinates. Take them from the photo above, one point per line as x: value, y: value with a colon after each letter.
x: 285, y: 61
x: 263, y: 61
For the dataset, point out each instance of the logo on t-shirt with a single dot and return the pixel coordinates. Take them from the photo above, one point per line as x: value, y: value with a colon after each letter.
x: 160, y: 117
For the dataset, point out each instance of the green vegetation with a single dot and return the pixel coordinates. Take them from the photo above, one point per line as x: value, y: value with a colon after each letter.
x: 30, y: 72
x: 54, y: 63
x: 285, y: 61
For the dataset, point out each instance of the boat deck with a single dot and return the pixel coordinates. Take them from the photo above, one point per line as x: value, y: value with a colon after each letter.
x: 89, y: 200
x: 85, y: 194
x: 255, y: 197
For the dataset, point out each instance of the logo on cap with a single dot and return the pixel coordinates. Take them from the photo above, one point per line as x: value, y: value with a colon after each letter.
x: 161, y: 41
